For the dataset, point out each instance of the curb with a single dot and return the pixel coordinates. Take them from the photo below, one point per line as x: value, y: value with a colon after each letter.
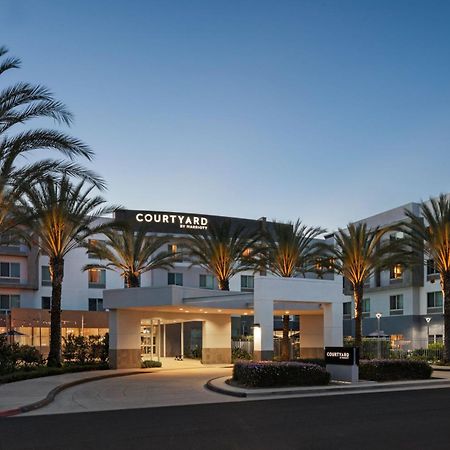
x: 350, y: 389
x: 56, y: 390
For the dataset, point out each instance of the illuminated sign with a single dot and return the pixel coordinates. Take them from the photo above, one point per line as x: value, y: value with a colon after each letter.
x: 346, y: 356
x: 182, y: 221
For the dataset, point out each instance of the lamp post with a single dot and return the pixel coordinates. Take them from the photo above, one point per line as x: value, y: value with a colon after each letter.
x: 256, y: 339
x: 378, y: 316
x: 428, y: 320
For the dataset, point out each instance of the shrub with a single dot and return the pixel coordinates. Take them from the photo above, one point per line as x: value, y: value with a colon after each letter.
x: 239, y: 353
x: 82, y: 350
x: 270, y: 374
x: 14, y: 357
x: 147, y: 364
x: 318, y: 361
x: 394, y: 369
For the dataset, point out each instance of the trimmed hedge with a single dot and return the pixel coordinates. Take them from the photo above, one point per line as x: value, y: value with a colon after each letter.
x: 394, y: 369
x: 147, y: 364
x: 278, y: 374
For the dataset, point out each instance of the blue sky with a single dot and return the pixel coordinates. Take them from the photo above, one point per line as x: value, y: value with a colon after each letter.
x: 325, y: 110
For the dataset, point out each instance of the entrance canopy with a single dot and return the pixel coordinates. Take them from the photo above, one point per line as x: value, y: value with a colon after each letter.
x: 317, y: 302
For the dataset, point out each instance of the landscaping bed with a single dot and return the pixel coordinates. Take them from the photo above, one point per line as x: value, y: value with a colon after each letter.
x: 394, y: 370
x: 44, y: 371
x: 278, y: 374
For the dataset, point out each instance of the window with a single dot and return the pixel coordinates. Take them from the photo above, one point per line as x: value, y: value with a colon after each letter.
x: 431, y: 267
x: 97, y: 278
x: 175, y: 279
x: 46, y: 302
x: 434, y: 302
x: 247, y: 252
x: 397, y: 272
x: 247, y: 283
x: 45, y: 276
x: 92, y: 242
x: 10, y: 272
x: 206, y: 281
x: 172, y: 248
x: 347, y: 310
x: 95, y: 304
x: 366, y: 307
x: 9, y: 301
x: 396, y: 304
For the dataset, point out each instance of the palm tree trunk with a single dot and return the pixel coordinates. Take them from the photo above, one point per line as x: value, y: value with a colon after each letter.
x: 285, y: 350
x: 57, y: 272
x: 358, y: 291
x: 132, y: 281
x: 224, y: 285
x: 445, y: 286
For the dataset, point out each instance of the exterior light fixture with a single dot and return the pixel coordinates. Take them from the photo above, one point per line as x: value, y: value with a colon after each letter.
x: 256, y: 325
x: 428, y: 320
x: 378, y: 316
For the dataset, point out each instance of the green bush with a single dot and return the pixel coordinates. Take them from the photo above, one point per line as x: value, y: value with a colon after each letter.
x: 318, y: 361
x: 369, y: 349
x: 271, y: 374
x: 14, y: 357
x: 394, y: 369
x: 240, y: 353
x: 148, y: 364
x: 82, y: 350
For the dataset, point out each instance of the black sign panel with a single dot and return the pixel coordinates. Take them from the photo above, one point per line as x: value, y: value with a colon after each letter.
x: 181, y: 223
x: 344, y: 356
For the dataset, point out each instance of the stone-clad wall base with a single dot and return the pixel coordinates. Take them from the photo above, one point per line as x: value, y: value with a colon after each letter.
x: 312, y: 352
x: 263, y: 355
x: 216, y: 355
x: 124, y: 358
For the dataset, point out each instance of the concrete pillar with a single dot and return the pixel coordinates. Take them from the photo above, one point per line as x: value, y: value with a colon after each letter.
x: 332, y: 325
x: 124, y: 339
x: 263, y: 337
x: 311, y: 336
x: 216, y: 339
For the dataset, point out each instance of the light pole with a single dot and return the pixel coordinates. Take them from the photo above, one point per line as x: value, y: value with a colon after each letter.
x: 428, y: 320
x: 378, y: 316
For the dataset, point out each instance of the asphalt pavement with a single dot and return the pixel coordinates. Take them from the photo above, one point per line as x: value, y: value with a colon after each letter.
x: 393, y: 420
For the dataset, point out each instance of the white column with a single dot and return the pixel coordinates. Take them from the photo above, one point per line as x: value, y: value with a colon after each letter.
x: 216, y: 339
x: 332, y: 325
x: 164, y: 340
x: 263, y: 337
x: 182, y: 340
x: 124, y: 339
x: 311, y: 336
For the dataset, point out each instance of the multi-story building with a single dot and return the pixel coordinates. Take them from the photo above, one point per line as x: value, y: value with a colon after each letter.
x: 403, y: 299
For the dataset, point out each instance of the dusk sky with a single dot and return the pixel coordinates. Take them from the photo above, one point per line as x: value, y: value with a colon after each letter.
x: 325, y: 110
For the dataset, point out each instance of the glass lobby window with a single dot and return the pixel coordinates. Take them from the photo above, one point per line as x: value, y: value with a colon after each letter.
x: 396, y: 304
x: 247, y: 283
x: 95, y: 304
x: 45, y: 276
x: 10, y: 271
x: 206, y: 281
x: 175, y: 279
x: 97, y: 278
x: 434, y: 302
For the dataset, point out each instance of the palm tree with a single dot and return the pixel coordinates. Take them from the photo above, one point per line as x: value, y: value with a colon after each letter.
x: 357, y: 254
x: 430, y: 235
x: 288, y: 250
x: 224, y: 250
x: 20, y: 103
x: 130, y: 253
x: 59, y: 216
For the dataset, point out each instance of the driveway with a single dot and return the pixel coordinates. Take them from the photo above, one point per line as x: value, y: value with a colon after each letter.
x: 164, y: 388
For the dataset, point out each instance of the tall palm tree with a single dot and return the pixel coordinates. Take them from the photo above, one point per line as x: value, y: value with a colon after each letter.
x: 224, y: 250
x: 20, y: 104
x: 288, y: 250
x: 430, y: 235
x: 130, y: 253
x: 357, y: 254
x: 59, y: 216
